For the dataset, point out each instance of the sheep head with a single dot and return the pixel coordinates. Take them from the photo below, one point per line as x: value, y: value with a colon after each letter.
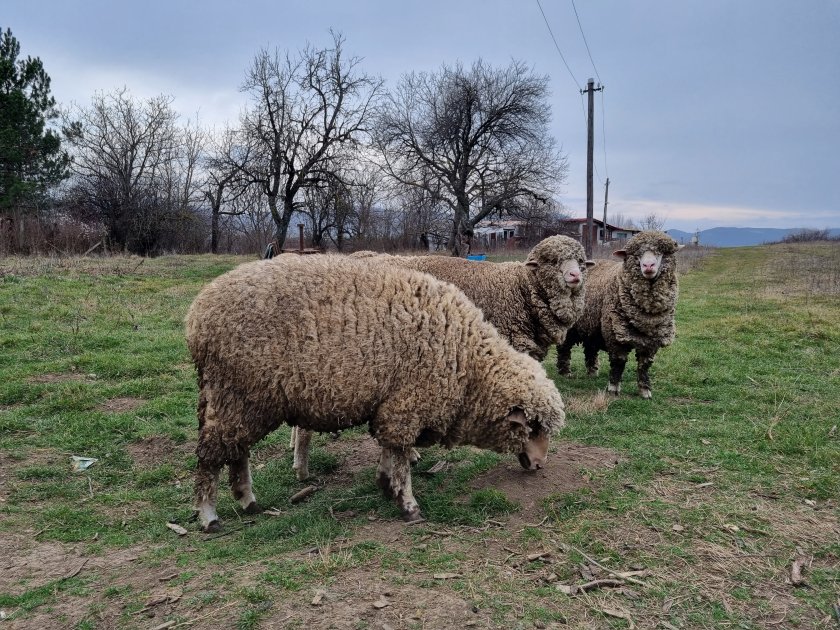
x: 535, y: 448
x: 558, y: 261
x: 646, y: 251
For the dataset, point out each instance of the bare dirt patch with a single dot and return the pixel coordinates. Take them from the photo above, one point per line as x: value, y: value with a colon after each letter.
x: 155, y: 450
x: 120, y: 405
x: 564, y: 472
x: 366, y: 598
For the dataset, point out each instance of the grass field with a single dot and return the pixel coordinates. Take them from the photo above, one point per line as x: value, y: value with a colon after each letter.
x: 714, y: 505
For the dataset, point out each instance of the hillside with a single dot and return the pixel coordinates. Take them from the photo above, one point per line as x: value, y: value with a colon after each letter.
x: 738, y: 237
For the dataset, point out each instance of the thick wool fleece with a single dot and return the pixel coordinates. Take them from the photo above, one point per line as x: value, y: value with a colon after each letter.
x: 528, y: 303
x: 330, y: 342
x: 624, y: 310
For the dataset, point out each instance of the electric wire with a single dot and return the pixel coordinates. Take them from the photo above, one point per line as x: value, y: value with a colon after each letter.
x: 557, y: 46
x: 585, y: 43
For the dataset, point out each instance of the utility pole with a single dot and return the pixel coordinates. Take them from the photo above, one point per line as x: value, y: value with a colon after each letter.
x: 590, y: 141
x: 606, y: 195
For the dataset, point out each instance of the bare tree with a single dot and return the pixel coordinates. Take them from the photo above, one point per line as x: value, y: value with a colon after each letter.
x: 223, y: 181
x: 621, y: 220
x: 475, y: 138
x: 652, y: 221
x: 306, y: 111
x: 133, y: 167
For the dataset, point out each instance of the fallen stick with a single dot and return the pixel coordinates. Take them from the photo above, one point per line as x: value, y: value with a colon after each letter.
x: 615, y: 574
x: 573, y: 589
x: 299, y: 496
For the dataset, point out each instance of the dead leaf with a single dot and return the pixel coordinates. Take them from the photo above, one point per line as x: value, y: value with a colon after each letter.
x: 381, y: 603
x: 677, y: 527
x: 731, y: 527
x: 567, y: 589
x: 536, y: 556
x: 705, y: 442
x: 796, y: 578
x: 618, y: 614
x: 319, y: 595
x: 810, y: 502
x: 272, y: 512
x: 177, y: 529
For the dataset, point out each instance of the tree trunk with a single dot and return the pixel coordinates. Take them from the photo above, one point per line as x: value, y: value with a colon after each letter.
x: 281, y: 221
x: 214, y: 231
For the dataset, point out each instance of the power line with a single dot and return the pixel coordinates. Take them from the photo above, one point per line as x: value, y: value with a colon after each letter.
x: 604, y: 135
x: 557, y: 46
x: 577, y: 17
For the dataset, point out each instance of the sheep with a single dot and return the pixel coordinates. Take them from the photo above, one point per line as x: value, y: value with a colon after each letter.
x: 531, y: 304
x: 330, y: 342
x: 629, y: 306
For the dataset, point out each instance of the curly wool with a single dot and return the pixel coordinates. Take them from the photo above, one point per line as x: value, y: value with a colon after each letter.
x: 624, y: 307
x: 528, y: 303
x: 415, y: 359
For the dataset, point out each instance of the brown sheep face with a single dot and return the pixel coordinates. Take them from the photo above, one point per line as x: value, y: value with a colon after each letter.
x: 535, y: 450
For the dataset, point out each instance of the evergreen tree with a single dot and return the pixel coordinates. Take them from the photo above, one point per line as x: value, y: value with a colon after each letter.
x: 31, y: 158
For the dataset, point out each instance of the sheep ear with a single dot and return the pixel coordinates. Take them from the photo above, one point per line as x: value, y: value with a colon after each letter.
x: 679, y: 247
x: 517, y: 416
x: 620, y: 253
x: 531, y: 263
x: 589, y: 263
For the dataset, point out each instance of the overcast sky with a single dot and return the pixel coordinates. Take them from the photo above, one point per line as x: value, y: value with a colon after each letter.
x: 714, y: 112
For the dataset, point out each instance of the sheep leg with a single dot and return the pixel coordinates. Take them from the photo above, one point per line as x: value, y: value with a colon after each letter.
x: 302, y: 437
x: 395, y: 480
x: 564, y: 359
x: 590, y: 355
x: 617, y: 363
x: 239, y: 474
x: 206, y: 488
x: 643, y: 363
x: 210, y: 452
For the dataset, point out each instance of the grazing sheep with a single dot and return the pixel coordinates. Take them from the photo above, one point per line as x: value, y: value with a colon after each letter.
x: 531, y: 304
x: 330, y: 342
x: 629, y: 306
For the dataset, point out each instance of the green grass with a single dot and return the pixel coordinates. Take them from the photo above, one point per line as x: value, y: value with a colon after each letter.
x: 725, y: 476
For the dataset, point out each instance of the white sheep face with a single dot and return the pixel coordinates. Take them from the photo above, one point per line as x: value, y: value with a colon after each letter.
x: 649, y: 263
x: 572, y: 275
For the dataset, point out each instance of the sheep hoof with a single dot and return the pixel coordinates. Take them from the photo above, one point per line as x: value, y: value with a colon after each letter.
x: 213, y: 527
x: 414, y: 456
x: 301, y: 474
x: 253, y: 508
x: 592, y: 372
x: 414, y: 516
x: 645, y: 393
x: 615, y: 390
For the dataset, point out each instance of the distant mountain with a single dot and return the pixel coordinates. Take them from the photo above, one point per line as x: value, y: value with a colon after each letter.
x: 738, y: 237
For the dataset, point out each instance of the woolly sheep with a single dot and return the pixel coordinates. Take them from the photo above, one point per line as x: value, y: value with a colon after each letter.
x: 629, y: 306
x: 531, y: 304
x: 330, y: 342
